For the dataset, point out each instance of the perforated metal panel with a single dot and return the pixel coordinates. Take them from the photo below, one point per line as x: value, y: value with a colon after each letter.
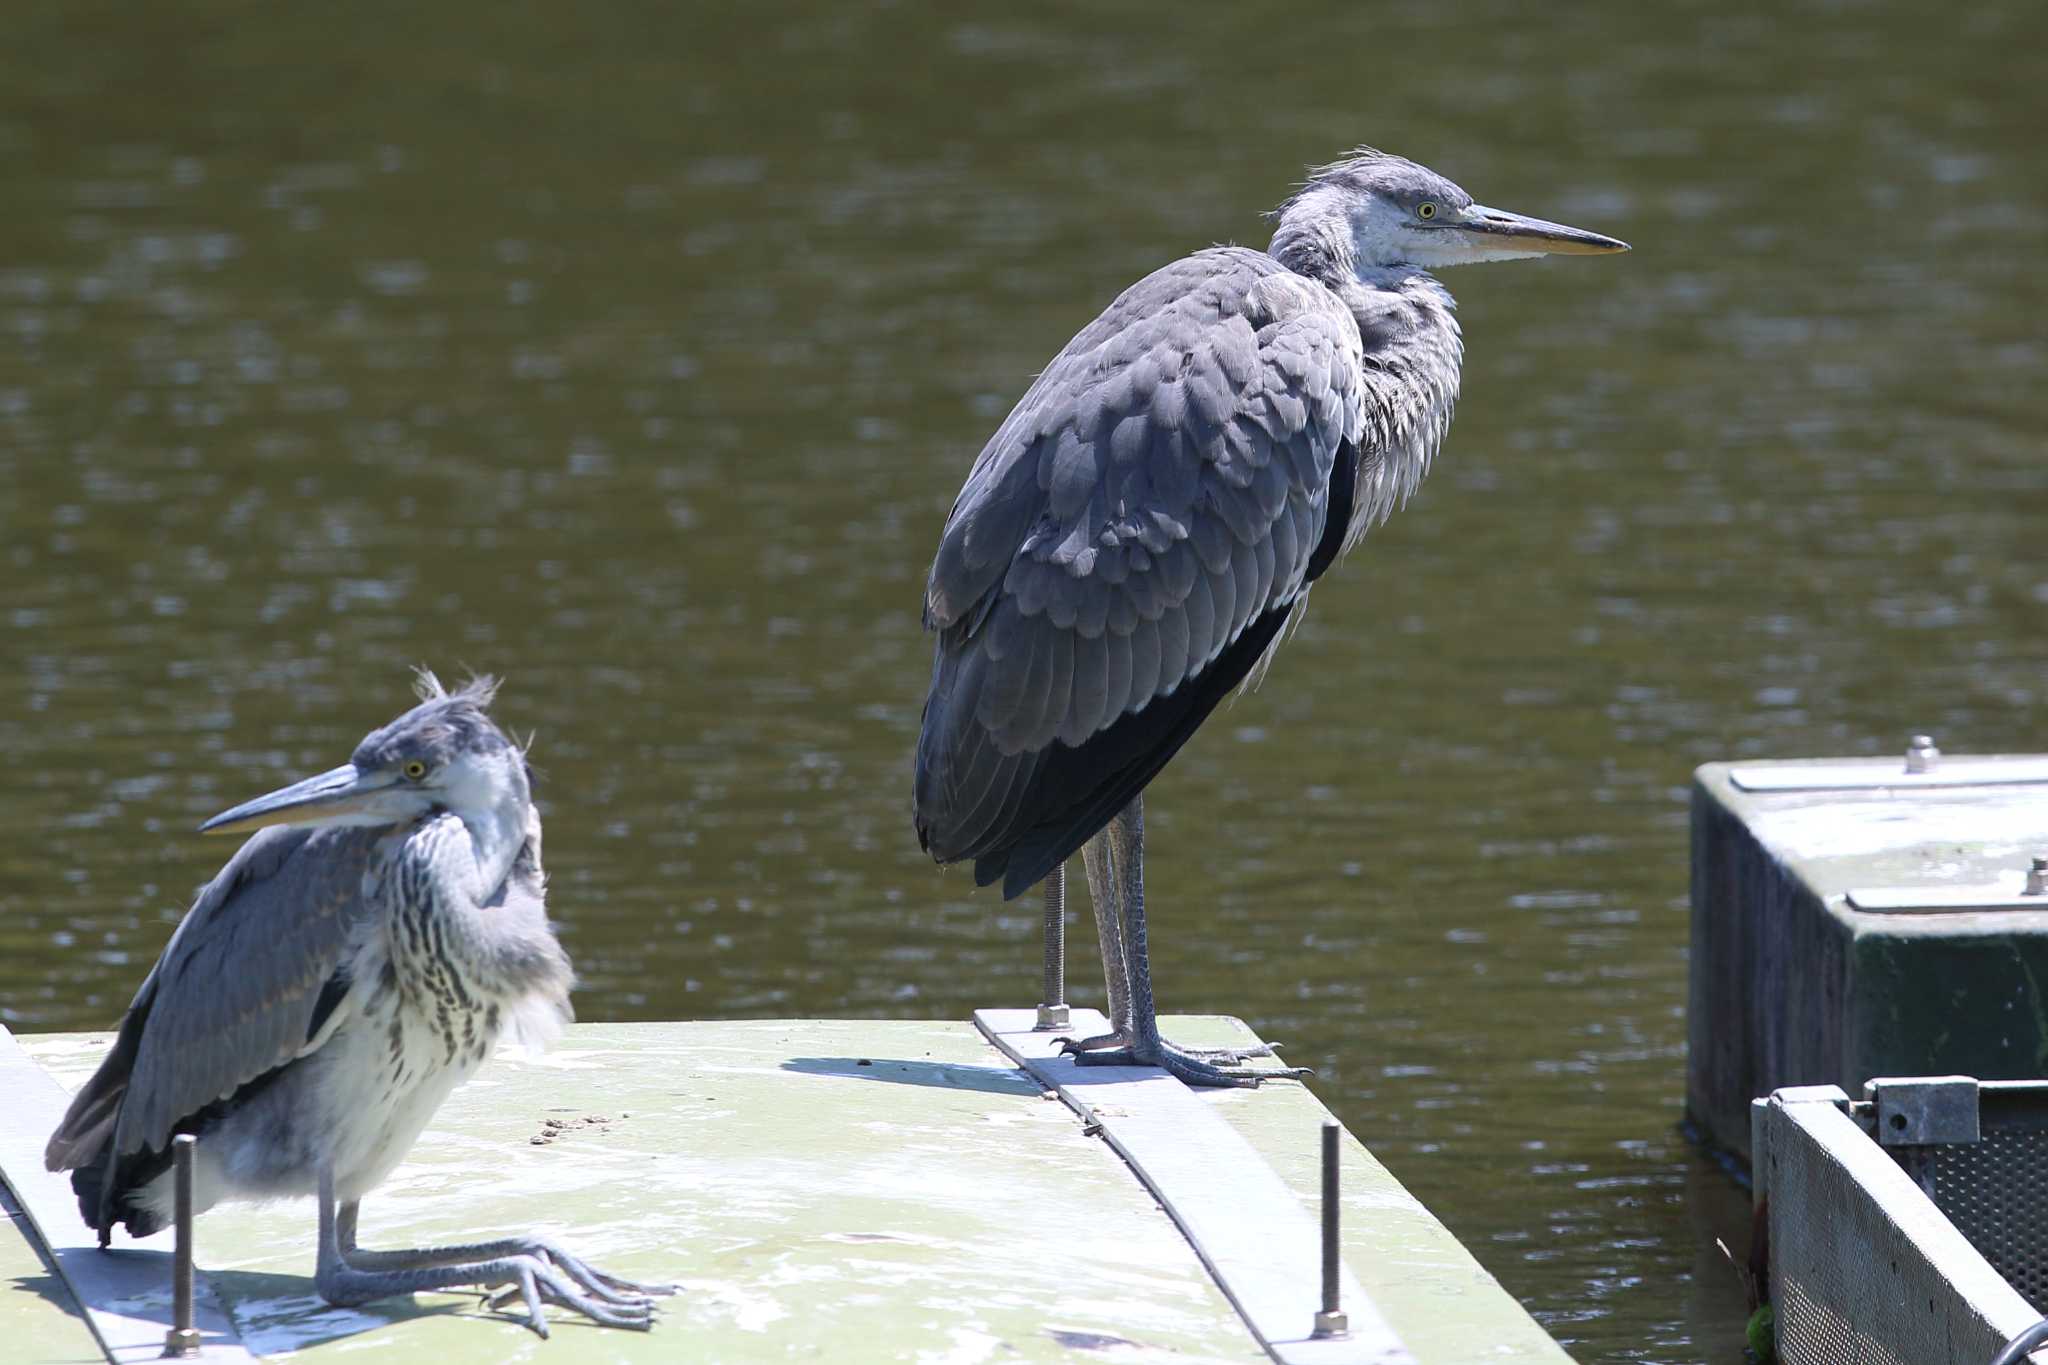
x: 1996, y: 1193
x: 1866, y: 1270
x: 1840, y: 1294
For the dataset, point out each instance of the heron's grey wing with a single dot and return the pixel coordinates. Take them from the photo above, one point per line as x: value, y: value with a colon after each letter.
x: 1150, y: 511
x: 252, y: 978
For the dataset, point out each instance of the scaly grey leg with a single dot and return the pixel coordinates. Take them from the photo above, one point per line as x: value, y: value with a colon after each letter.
x: 1100, y: 861
x: 1116, y: 880
x: 528, y: 1267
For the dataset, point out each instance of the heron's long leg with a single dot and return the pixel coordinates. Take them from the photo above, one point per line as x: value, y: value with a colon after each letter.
x: 1099, y: 861
x: 1115, y: 859
x: 1116, y: 880
x: 346, y: 1276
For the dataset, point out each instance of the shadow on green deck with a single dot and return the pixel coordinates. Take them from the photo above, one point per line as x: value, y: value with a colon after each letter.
x: 895, y: 1071
x: 47, y: 1287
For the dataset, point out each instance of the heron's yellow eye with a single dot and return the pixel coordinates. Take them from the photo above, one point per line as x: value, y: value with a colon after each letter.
x: 415, y: 770
x: 1425, y: 209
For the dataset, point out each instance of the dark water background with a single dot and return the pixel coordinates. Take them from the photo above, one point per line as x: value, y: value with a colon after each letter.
x: 636, y: 354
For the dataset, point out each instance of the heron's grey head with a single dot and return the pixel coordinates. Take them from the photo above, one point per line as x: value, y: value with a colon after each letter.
x: 443, y: 754
x: 1376, y: 210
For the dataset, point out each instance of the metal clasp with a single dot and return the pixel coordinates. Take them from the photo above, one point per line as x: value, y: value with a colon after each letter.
x: 1925, y: 1111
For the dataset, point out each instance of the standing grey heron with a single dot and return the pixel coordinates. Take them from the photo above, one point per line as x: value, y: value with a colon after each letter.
x: 354, y: 962
x: 1133, y: 540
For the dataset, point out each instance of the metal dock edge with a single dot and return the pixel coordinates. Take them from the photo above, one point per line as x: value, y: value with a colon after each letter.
x: 1260, y: 1244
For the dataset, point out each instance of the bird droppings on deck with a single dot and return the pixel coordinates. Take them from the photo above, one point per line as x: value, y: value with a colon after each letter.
x: 551, y: 1129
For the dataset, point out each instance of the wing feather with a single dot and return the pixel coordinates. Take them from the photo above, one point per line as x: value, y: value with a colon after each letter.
x: 1116, y: 673
x: 1145, y: 664
x: 242, y: 988
x: 1160, y: 489
x: 1088, y: 709
x: 1221, y: 604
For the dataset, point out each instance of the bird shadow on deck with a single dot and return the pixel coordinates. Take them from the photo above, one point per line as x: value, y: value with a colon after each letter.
x: 941, y: 1075
x: 276, y: 1313
x: 271, y: 1313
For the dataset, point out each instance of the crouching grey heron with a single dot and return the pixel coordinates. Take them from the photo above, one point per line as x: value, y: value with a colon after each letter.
x: 1134, y: 538
x: 354, y: 962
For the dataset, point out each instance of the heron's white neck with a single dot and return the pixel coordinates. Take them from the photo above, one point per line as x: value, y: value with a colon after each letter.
x: 1415, y: 351
x: 489, y: 795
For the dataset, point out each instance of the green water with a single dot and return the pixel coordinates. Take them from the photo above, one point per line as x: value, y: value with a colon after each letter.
x: 637, y: 354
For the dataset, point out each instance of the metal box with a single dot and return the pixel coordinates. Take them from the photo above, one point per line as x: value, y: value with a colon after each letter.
x: 1854, y: 918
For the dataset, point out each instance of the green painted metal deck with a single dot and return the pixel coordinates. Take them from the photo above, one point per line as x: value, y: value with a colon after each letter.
x: 843, y: 1190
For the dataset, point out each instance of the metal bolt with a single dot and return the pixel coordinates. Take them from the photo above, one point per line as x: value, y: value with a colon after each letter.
x: 1331, y: 1321
x: 1922, y: 755
x: 1052, y: 1012
x: 182, y: 1341
x: 2037, y: 878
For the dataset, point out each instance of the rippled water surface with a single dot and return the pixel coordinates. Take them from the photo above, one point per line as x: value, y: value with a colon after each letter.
x: 637, y: 355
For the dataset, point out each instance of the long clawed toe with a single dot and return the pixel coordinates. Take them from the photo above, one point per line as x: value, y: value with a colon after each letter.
x: 602, y: 1284
x: 1232, y: 1054
x: 537, y: 1283
x: 1195, y: 1066
x: 1074, y: 1047
x: 1104, y: 1042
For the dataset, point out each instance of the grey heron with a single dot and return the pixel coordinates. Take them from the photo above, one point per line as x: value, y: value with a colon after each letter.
x: 356, y: 959
x: 1133, y: 540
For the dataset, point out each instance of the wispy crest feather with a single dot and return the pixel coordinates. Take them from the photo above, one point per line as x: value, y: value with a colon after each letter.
x: 480, y: 690
x: 1357, y: 158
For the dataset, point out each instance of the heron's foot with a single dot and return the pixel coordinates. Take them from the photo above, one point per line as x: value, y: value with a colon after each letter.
x: 1074, y: 1047
x: 598, y: 1283
x: 535, y: 1279
x: 1192, y: 1067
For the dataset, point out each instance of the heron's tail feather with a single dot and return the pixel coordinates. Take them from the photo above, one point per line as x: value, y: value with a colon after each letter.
x: 87, y: 1128
x: 89, y: 1183
x: 88, y: 1125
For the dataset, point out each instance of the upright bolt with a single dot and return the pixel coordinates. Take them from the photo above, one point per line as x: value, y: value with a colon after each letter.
x: 182, y: 1341
x: 1921, y: 755
x: 1052, y: 1009
x: 1331, y: 1321
x: 2037, y: 878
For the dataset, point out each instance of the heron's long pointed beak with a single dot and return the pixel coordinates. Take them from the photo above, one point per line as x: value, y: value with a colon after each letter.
x: 1482, y: 225
x: 329, y: 798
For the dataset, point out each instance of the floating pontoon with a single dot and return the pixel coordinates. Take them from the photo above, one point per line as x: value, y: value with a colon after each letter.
x: 822, y: 1190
